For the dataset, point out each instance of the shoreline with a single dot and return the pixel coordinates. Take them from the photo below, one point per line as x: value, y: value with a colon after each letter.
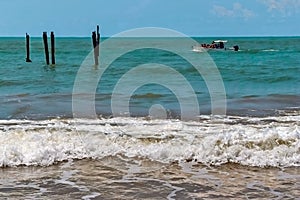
x: 127, y: 178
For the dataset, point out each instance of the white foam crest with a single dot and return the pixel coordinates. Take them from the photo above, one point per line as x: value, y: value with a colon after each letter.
x: 272, y: 141
x: 38, y: 143
x: 270, y: 50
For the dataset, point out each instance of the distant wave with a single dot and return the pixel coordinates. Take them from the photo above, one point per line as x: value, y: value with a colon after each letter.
x: 270, y: 50
x: 148, y: 96
x: 259, y: 50
x: 273, y: 97
x: 250, y: 96
x: 273, y: 79
x: 280, y: 79
x: 7, y: 83
x: 262, y: 142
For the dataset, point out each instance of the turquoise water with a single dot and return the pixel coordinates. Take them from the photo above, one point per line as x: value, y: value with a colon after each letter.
x: 252, y: 152
x: 260, y: 79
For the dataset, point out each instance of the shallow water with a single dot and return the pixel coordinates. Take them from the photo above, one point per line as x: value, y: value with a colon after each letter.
x: 121, y: 177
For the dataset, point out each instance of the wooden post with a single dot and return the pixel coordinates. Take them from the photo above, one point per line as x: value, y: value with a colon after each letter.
x: 94, y: 39
x: 46, y: 47
x: 98, y: 41
x: 27, y: 49
x: 52, y: 48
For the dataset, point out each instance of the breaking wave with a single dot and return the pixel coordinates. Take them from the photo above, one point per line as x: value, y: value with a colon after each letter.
x: 262, y: 142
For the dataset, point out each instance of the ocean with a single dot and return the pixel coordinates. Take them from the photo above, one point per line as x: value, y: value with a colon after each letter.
x: 155, y: 120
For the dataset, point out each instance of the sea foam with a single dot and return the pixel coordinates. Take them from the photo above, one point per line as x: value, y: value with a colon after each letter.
x: 262, y: 142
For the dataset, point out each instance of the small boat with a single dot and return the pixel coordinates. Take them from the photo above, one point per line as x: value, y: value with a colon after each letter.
x: 215, y: 45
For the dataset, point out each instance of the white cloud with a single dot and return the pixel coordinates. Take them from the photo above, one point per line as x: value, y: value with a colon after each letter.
x: 222, y: 11
x: 237, y: 11
x: 285, y: 7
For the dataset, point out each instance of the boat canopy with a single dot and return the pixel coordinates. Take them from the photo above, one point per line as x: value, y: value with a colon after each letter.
x: 218, y: 41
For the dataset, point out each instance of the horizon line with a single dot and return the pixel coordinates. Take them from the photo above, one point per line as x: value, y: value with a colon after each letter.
x: 106, y: 36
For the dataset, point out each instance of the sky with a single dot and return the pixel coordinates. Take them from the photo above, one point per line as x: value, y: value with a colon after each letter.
x: 191, y: 17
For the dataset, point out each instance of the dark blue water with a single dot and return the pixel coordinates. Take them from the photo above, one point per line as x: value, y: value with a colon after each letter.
x: 260, y: 79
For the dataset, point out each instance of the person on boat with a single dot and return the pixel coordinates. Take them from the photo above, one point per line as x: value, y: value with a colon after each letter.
x: 221, y: 45
x: 236, y: 48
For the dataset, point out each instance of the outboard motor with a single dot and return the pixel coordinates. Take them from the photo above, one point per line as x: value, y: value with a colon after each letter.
x: 236, y: 48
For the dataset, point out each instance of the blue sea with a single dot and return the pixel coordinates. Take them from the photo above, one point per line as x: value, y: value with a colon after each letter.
x: 154, y: 119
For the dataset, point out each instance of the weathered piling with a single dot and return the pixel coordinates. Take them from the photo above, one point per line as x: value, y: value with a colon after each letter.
x: 27, y: 48
x: 96, y: 44
x: 52, y: 48
x: 46, y: 47
x: 94, y: 39
x: 98, y: 40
